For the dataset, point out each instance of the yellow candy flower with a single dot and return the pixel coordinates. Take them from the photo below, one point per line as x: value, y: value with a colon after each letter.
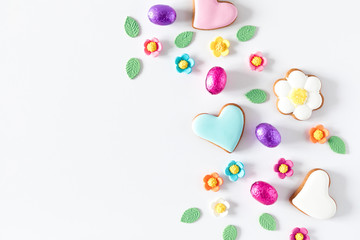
x: 220, y: 47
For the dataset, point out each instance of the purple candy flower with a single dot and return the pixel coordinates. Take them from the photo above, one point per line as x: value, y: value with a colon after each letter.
x: 284, y: 168
x: 299, y: 234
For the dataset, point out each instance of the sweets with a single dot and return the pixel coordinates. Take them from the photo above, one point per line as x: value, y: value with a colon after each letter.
x: 215, y: 80
x: 264, y: 193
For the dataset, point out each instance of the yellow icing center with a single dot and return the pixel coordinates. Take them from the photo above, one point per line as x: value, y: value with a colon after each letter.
x: 256, y: 61
x: 212, y: 182
x: 318, y: 134
x: 298, y: 96
x: 283, y: 168
x: 220, y: 47
x: 234, y: 169
x: 299, y: 236
x: 183, y: 64
x: 220, y: 208
x: 152, y: 46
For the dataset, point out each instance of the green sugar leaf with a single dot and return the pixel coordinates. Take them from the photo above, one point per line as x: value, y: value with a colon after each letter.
x: 132, y: 27
x: 230, y: 233
x: 190, y: 215
x: 267, y: 222
x: 337, y: 145
x: 246, y: 33
x: 256, y: 96
x: 133, y: 67
x: 184, y: 39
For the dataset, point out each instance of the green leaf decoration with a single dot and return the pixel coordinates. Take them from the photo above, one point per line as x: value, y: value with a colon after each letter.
x: 256, y: 96
x: 184, y: 39
x: 191, y: 215
x: 230, y: 233
x: 267, y: 222
x: 337, y: 145
x: 133, y: 67
x: 246, y: 33
x: 132, y: 27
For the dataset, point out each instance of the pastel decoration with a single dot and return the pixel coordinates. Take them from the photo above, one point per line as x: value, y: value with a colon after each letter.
x: 267, y: 222
x: 230, y: 233
x: 162, y: 14
x: 212, y: 14
x: 284, y: 168
x: 152, y: 47
x: 257, y: 62
x: 215, y: 80
x: 312, y: 197
x: 256, y: 96
x: 246, y: 33
x: 299, y: 234
x: 184, y: 39
x: 318, y: 134
x: 213, y: 182
x: 337, y: 145
x: 190, y: 215
x: 133, y: 67
x: 220, y: 47
x: 224, y: 130
x: 184, y: 64
x: 235, y: 170
x: 220, y: 207
x: 298, y: 94
x: 264, y: 193
x: 132, y: 27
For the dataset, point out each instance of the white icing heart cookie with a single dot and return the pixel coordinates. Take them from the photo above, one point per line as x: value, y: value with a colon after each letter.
x: 312, y: 197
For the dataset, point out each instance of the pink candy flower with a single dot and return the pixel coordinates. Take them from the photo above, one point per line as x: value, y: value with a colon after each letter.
x: 152, y: 47
x: 284, y: 168
x: 299, y: 234
x: 257, y: 62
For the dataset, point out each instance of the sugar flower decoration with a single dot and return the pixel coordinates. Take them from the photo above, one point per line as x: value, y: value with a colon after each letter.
x: 257, y: 62
x: 220, y: 47
x: 319, y: 134
x: 235, y: 170
x: 298, y: 94
x: 299, y: 234
x: 284, y: 168
x: 213, y: 182
x: 184, y: 64
x: 220, y: 207
x: 152, y: 47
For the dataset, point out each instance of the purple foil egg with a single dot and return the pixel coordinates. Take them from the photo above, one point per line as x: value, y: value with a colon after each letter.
x: 215, y: 80
x: 268, y: 135
x: 162, y: 14
x: 264, y: 193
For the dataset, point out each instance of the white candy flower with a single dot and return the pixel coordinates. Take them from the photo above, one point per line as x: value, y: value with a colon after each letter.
x: 220, y: 207
x: 298, y: 94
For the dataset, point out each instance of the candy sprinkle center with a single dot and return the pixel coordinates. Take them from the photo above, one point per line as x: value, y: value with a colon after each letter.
x: 318, y: 134
x: 299, y: 236
x: 234, y: 169
x: 220, y: 208
x: 152, y: 46
x: 256, y: 61
x: 183, y: 64
x: 283, y: 168
x: 212, y: 182
x: 298, y: 96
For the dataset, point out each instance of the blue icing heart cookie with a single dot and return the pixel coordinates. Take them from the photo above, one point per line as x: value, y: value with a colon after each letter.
x: 224, y: 130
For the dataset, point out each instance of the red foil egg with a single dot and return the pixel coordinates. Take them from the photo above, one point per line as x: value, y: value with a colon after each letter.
x: 264, y: 193
x: 215, y: 80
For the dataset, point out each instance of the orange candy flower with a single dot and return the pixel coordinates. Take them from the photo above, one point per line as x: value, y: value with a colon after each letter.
x: 213, y: 182
x: 319, y: 134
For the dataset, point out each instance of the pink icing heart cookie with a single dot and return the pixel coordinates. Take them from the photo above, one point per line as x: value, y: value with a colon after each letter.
x: 212, y: 14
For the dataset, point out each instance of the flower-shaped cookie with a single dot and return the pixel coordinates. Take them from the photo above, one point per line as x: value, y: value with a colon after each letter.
x: 299, y: 234
x: 235, y: 170
x: 184, y: 64
x: 319, y: 134
x: 152, y: 47
x: 220, y: 207
x: 213, y: 182
x: 257, y: 62
x: 298, y: 94
x: 284, y: 168
x: 220, y: 47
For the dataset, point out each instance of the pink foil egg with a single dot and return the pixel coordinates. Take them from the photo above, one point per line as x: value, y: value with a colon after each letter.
x: 215, y: 80
x: 264, y: 193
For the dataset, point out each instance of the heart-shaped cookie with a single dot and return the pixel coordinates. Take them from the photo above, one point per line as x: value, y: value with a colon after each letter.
x: 212, y: 14
x: 224, y: 130
x: 312, y: 197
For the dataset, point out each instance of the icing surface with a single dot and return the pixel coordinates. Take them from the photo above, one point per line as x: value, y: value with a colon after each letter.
x: 211, y: 14
x: 314, y: 199
x: 224, y: 130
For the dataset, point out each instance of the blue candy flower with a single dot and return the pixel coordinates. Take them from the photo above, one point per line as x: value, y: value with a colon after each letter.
x: 235, y: 170
x: 184, y: 64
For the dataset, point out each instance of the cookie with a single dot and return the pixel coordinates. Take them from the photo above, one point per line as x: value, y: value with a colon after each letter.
x: 312, y: 197
x: 224, y: 130
x: 298, y: 94
x: 212, y: 14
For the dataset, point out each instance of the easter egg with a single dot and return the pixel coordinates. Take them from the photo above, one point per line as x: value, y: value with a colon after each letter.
x: 268, y: 135
x: 162, y: 14
x: 264, y: 193
x: 215, y: 80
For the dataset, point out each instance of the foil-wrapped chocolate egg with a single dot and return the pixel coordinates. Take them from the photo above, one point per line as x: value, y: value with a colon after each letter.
x: 215, y: 80
x: 264, y: 193
x: 162, y: 14
x: 268, y: 135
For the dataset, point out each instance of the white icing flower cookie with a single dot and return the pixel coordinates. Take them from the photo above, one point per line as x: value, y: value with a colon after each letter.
x: 298, y: 94
x: 312, y: 197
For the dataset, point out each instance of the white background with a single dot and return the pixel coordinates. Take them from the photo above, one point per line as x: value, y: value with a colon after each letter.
x: 86, y: 153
